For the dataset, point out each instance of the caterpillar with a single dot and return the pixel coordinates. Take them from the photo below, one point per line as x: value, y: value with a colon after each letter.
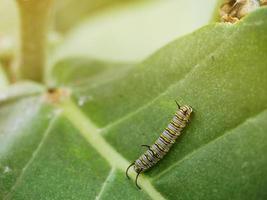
x: 163, y: 144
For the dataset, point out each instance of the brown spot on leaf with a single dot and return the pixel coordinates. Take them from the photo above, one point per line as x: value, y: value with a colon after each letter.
x: 57, y: 95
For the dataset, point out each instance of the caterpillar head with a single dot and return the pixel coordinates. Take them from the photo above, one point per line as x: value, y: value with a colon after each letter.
x: 187, y: 110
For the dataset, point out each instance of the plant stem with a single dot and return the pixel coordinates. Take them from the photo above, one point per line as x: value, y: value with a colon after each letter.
x: 31, y: 59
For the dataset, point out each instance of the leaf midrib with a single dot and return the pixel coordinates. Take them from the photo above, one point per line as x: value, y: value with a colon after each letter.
x: 91, y: 133
x: 141, y: 108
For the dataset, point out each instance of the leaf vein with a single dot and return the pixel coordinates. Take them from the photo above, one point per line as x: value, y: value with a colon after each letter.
x: 105, y: 129
x: 109, y: 177
x: 34, y: 154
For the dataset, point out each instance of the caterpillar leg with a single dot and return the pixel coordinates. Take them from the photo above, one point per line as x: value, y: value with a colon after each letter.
x: 136, y: 178
x: 126, y: 172
x: 177, y: 104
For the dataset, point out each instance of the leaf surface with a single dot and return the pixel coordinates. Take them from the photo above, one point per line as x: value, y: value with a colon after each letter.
x: 80, y: 148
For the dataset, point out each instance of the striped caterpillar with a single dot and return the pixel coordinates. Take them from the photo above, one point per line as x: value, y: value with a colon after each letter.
x: 163, y: 144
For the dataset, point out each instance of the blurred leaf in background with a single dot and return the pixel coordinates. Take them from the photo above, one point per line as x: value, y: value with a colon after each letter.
x: 3, y: 78
x: 131, y: 32
x: 9, y: 28
x: 69, y: 12
x: 9, y: 17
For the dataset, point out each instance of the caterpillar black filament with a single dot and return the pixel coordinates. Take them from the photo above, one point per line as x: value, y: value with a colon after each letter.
x: 163, y: 144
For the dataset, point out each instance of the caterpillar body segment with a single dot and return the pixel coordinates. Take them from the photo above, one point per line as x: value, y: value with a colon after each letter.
x: 162, y: 145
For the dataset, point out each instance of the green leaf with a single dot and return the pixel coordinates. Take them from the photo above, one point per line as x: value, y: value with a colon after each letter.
x: 75, y: 70
x: 79, y: 148
x: 131, y: 32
